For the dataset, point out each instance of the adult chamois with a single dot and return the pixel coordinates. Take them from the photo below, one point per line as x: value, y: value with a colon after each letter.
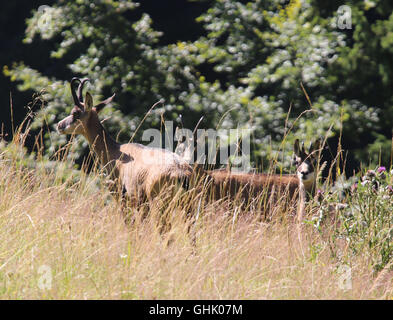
x: 140, y: 171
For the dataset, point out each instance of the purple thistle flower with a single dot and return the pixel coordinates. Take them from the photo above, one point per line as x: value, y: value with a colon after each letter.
x: 381, y: 169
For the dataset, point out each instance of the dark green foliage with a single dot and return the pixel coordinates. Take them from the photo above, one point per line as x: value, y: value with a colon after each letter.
x: 258, y: 64
x: 367, y: 223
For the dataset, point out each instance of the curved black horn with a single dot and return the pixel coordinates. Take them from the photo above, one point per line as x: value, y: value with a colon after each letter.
x: 74, y: 96
x: 80, y: 89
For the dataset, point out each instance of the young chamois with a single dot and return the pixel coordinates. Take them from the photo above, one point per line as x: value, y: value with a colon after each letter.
x: 253, y: 186
x: 139, y: 171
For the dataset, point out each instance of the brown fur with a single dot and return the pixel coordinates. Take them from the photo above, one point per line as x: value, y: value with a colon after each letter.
x: 256, y: 191
x: 252, y: 184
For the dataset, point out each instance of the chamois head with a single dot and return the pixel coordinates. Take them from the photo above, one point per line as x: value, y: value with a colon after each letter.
x: 77, y: 121
x: 306, y: 163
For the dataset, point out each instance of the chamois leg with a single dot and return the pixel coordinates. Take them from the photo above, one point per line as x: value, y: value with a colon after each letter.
x: 132, y: 207
x: 169, y: 205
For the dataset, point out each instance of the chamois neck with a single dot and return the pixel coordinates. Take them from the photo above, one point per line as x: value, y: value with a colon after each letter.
x: 308, y: 186
x: 304, y: 187
x: 100, y: 141
x: 302, y: 201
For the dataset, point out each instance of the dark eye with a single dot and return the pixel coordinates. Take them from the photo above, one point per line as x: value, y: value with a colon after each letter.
x: 76, y: 114
x: 295, y: 161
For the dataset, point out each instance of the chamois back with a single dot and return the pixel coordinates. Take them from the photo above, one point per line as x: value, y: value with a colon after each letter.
x: 150, y: 169
x: 252, y: 185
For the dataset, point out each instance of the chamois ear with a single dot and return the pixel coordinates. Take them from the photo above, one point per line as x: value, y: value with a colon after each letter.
x: 98, y: 107
x: 303, y: 151
x: 296, y: 147
x: 88, y: 102
x: 315, y: 146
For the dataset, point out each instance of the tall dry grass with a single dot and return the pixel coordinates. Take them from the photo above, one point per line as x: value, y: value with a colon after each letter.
x: 67, y: 240
x: 63, y: 235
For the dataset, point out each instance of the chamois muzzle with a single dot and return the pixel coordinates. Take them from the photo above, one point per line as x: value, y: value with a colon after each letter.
x: 64, y: 125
